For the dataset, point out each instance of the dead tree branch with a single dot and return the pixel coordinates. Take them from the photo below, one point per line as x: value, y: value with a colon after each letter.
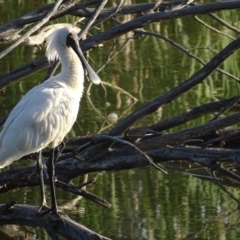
x: 27, y: 215
x: 143, y: 146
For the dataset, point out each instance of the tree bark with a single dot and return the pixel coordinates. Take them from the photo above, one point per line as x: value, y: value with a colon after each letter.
x: 203, y: 145
x: 27, y: 215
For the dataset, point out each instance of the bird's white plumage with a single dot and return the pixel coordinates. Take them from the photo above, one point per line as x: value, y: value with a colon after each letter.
x: 47, y: 112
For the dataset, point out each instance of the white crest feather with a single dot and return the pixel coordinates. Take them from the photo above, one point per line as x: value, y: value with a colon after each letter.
x: 51, y: 52
x: 53, y: 38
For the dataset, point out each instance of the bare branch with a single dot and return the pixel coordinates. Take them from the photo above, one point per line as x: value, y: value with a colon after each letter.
x: 212, y: 28
x: 36, y: 27
x: 93, y: 18
x: 27, y: 215
x: 187, y: 52
x: 224, y: 23
x: 180, y: 89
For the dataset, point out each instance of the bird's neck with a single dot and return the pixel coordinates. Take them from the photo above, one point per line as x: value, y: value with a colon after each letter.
x: 72, y: 70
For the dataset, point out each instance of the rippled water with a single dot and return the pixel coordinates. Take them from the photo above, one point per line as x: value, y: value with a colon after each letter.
x: 145, y: 203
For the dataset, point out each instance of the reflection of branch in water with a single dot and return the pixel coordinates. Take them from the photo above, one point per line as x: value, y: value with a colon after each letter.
x: 111, y: 56
x: 186, y: 51
x: 218, y: 19
x: 220, y: 218
x: 227, y: 191
x: 122, y: 115
x: 98, y: 112
x: 212, y: 28
x: 71, y: 205
x: 202, y: 176
x: 105, y: 119
x: 101, y: 115
x: 197, y: 234
x: 119, y: 89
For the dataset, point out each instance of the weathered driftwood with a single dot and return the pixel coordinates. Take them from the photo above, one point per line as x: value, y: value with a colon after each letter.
x: 27, y: 215
x: 11, y: 30
x: 101, y: 153
x: 205, y: 109
x: 123, y: 158
x: 140, y: 132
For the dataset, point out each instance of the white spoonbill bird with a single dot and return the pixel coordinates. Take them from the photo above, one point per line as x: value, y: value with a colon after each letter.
x: 47, y: 112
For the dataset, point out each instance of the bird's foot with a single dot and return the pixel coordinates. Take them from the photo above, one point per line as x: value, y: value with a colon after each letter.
x: 42, y: 207
x: 55, y: 213
x: 10, y: 205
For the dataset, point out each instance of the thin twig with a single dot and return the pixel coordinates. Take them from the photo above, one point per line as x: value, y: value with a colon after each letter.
x: 212, y: 28
x: 156, y: 6
x: 223, y: 138
x: 91, y: 20
x: 52, y: 69
x: 115, y: 139
x: 119, y: 89
x: 56, y: 64
x: 89, y: 182
x: 224, y: 23
x: 187, y: 52
x: 109, y: 58
x: 36, y: 27
x: 78, y: 191
x: 111, y: 14
x: 226, y: 108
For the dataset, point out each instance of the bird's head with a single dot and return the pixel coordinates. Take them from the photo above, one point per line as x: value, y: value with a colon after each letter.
x: 67, y: 37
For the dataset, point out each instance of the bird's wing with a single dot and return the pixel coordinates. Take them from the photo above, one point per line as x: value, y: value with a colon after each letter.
x: 42, y: 118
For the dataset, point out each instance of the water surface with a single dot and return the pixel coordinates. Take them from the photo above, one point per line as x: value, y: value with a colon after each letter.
x: 145, y: 203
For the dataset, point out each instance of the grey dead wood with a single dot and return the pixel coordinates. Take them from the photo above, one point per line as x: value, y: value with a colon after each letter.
x: 22, y: 214
x: 152, y: 106
x: 159, y: 147
x: 11, y: 30
x: 70, y: 168
x: 205, y: 109
x: 180, y: 137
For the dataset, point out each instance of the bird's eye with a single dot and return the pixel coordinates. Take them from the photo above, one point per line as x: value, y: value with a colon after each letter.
x: 70, y: 35
x: 70, y: 40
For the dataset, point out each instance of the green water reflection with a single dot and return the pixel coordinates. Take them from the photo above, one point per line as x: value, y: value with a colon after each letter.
x: 145, y: 203
x: 148, y: 205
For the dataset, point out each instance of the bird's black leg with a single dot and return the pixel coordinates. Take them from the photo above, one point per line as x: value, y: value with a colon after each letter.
x: 51, y: 173
x: 40, y: 166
